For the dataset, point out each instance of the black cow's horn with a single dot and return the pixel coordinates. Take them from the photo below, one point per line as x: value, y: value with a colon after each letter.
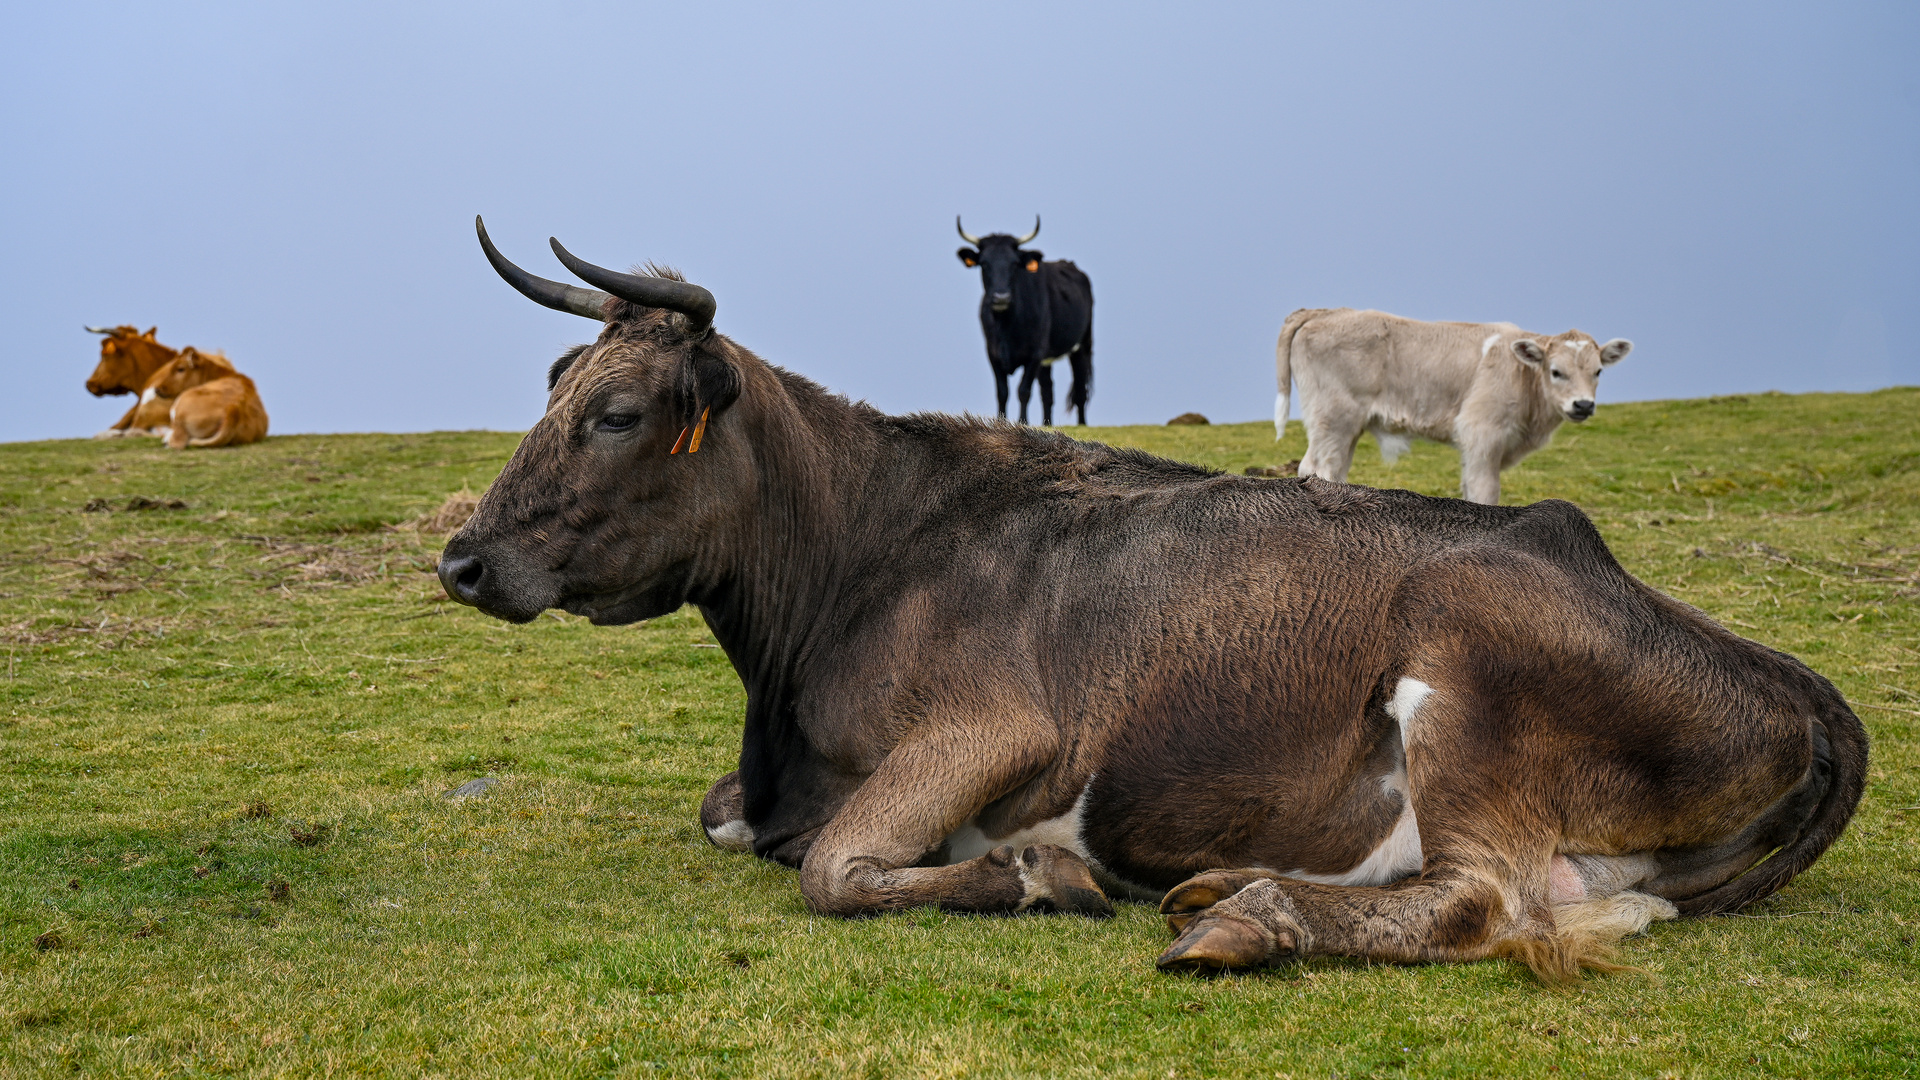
x: 974, y: 240
x: 1028, y: 239
x: 559, y: 296
x: 696, y: 303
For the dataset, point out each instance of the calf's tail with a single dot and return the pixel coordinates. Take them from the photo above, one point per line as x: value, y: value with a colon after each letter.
x: 1840, y: 750
x: 219, y: 436
x: 1283, y: 367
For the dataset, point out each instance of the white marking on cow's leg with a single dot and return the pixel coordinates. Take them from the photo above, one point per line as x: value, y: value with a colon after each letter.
x: 1487, y: 345
x: 1408, y: 695
x: 968, y: 842
x: 735, y: 835
x: 1279, y: 417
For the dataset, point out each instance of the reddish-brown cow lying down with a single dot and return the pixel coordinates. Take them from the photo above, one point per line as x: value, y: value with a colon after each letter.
x: 129, y: 363
x: 214, y: 405
x: 995, y: 669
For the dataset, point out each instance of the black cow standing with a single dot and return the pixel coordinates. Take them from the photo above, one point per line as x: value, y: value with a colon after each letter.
x: 1034, y: 313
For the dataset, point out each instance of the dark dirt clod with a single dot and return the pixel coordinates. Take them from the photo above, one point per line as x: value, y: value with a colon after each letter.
x: 202, y: 871
x: 141, y: 502
x: 49, y: 941
x: 307, y: 837
x: 256, y: 809
x: 97, y: 505
x: 279, y: 891
x: 73, y: 883
x: 1188, y: 418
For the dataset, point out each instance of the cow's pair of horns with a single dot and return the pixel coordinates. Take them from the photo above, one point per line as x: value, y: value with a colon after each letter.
x: 696, y: 303
x: 975, y: 241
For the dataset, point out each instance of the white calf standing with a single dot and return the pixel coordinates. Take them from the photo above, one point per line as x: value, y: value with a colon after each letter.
x: 1492, y: 391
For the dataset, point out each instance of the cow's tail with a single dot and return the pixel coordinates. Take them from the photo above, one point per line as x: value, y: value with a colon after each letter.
x: 1283, y: 368
x: 1081, y: 360
x: 1840, y: 759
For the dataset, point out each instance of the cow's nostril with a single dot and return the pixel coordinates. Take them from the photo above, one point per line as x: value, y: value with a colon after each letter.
x: 461, y: 577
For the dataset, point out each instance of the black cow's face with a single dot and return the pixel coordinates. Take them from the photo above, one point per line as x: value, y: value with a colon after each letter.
x: 1001, y: 262
x: 606, y: 508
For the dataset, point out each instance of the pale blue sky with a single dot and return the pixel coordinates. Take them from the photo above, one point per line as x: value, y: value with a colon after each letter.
x: 1732, y: 186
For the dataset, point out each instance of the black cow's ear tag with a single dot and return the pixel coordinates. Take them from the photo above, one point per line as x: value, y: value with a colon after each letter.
x: 677, y: 443
x: 1033, y: 266
x: 699, y: 431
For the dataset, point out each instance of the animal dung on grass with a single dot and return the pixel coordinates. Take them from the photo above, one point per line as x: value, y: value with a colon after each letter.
x: 306, y: 837
x: 1188, y: 418
x: 49, y: 941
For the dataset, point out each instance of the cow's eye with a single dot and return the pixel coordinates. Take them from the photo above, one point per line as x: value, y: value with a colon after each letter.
x: 1558, y: 374
x: 618, y: 421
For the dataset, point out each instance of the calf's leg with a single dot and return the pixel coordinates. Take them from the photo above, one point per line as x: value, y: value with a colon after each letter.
x: 933, y: 782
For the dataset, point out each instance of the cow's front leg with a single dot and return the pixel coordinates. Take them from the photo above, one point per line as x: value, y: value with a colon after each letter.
x: 1000, y: 389
x: 723, y: 814
x: 1480, y: 475
x: 1026, y: 389
x: 1046, y: 394
x: 928, y: 786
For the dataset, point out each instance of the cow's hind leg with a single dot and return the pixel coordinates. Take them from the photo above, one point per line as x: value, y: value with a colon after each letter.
x: 1486, y: 888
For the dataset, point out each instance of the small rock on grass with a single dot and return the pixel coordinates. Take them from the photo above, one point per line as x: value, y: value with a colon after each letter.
x: 478, y: 786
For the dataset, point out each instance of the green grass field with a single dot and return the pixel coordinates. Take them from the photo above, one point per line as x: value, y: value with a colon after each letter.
x: 226, y: 731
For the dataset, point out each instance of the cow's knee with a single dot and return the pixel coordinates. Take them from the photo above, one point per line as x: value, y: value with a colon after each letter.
x: 723, y: 814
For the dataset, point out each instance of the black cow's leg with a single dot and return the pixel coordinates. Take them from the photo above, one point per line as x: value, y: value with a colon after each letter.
x: 1026, y: 389
x: 723, y: 814
x: 1046, y: 394
x: 1000, y: 387
x: 929, y: 785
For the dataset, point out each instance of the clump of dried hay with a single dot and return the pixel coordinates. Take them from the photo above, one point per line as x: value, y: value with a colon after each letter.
x: 452, y: 514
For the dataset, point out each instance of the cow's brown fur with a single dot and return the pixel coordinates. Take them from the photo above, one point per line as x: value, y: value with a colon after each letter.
x: 945, y: 624
x: 213, y: 405
x: 129, y: 362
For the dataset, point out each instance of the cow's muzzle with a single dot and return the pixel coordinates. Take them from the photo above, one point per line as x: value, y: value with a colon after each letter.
x: 1580, y: 410
x: 462, y: 577
x: 1000, y: 301
x: 494, y: 582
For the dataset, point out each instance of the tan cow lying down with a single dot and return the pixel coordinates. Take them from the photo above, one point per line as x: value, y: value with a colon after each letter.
x: 213, y: 405
x: 130, y: 363
x: 1492, y: 391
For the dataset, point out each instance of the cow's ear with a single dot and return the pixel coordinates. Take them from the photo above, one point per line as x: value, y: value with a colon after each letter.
x: 151, y: 330
x: 970, y: 257
x: 710, y: 384
x: 1528, y: 350
x: 1615, y: 351
x: 1032, y: 261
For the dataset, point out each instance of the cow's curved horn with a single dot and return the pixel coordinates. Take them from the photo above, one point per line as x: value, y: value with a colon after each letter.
x: 586, y: 303
x: 696, y: 303
x: 98, y: 329
x: 1028, y: 239
x: 974, y: 240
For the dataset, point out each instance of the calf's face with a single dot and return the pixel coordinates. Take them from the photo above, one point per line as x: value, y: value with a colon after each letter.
x: 1568, y: 368
x: 606, y: 509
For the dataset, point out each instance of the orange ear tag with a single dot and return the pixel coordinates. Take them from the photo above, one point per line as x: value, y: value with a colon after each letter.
x: 678, y: 442
x: 699, y: 430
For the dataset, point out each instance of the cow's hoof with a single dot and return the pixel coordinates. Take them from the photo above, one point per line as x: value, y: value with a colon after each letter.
x: 1202, y: 891
x: 110, y: 433
x: 1213, y: 943
x: 1058, y: 880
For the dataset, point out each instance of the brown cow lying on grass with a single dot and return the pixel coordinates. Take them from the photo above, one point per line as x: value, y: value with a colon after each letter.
x: 994, y: 669
x: 213, y: 405
x: 129, y: 364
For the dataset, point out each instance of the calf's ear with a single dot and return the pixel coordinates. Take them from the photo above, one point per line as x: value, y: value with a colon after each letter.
x: 1528, y: 350
x: 969, y: 256
x: 1615, y: 351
